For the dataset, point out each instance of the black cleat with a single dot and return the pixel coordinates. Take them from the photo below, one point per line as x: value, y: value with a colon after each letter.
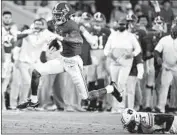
x: 157, y: 110
x: 116, y: 92
x: 147, y: 109
x: 24, y: 105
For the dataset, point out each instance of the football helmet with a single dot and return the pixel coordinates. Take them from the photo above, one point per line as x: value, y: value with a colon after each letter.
x: 86, y: 18
x: 128, y: 115
x: 131, y: 18
x: 61, y: 12
x: 131, y: 21
x: 99, y: 20
x: 99, y: 17
x: 158, y: 23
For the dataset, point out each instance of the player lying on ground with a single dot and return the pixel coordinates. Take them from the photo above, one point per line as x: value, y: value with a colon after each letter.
x: 69, y: 39
x: 148, y: 123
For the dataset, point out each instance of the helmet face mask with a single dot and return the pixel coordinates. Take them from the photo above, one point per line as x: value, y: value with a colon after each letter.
x: 59, y: 18
x: 128, y: 117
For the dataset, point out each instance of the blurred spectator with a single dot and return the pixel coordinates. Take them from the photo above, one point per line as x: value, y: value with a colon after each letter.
x: 138, y: 10
x: 44, y: 11
x: 133, y: 2
x: 167, y: 13
x: 29, y: 54
x: 142, y: 22
x: 117, y: 12
x: 105, y: 7
x: 169, y: 68
x: 147, y: 9
x: 9, y: 31
x: 129, y: 9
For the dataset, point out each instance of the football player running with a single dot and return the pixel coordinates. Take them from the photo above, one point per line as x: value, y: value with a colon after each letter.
x: 69, y: 39
x: 148, y: 123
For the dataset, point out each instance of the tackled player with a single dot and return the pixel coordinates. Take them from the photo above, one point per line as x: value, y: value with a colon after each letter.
x: 148, y: 123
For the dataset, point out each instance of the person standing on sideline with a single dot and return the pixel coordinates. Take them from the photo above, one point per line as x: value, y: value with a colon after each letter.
x: 168, y: 46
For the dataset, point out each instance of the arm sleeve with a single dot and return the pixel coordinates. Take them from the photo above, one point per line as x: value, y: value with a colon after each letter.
x: 136, y: 46
x: 89, y: 38
x: 74, y: 37
x: 107, y: 49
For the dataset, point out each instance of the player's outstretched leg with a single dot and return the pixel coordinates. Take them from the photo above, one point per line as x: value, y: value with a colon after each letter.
x: 112, y: 88
x: 34, y: 87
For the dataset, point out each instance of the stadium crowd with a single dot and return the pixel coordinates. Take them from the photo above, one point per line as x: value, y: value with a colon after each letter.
x: 146, y: 84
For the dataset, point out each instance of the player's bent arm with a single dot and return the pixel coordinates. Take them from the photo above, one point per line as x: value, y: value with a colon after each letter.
x: 89, y: 38
x: 136, y: 46
x: 74, y: 37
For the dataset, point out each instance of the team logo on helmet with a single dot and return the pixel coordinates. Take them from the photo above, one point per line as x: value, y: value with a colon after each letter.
x: 131, y: 18
x: 159, y: 24
x: 99, y: 20
x: 99, y: 17
x: 61, y: 12
x: 158, y: 20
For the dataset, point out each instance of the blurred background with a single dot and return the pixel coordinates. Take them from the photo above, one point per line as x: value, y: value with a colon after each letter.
x: 28, y: 10
x: 60, y: 96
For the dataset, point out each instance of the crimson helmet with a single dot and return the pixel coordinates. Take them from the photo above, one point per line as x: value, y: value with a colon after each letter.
x: 99, y: 19
x: 131, y: 18
x: 61, y: 12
